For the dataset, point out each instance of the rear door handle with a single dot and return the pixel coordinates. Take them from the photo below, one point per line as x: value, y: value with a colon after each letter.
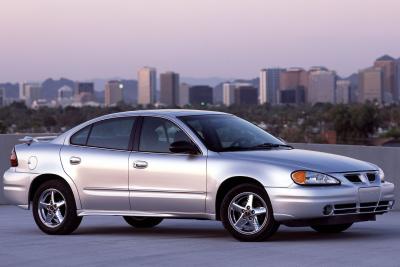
x: 75, y: 160
x: 139, y: 164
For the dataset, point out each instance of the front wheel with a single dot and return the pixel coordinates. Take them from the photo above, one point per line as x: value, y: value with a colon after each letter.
x: 246, y: 212
x: 54, y: 208
x: 331, y: 229
x: 142, y: 222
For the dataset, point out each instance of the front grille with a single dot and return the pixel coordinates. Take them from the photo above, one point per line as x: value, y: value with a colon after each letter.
x: 354, y: 178
x: 366, y: 207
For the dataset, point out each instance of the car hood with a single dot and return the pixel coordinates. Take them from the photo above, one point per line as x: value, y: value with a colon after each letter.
x: 304, y: 160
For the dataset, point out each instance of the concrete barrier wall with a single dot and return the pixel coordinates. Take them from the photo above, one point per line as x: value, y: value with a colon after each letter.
x: 388, y: 158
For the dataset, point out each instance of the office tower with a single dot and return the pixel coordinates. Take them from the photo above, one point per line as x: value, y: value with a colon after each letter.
x: 246, y: 95
x: 65, y: 96
x: 371, y: 84
x: 228, y: 94
x: 2, y: 97
x: 169, y: 88
x: 113, y: 93
x: 269, y: 85
x: 389, y: 89
x: 29, y: 92
x: 218, y: 95
x: 84, y: 92
x: 129, y: 92
x: 293, y: 86
x: 201, y: 95
x: 321, y: 86
x: 147, y: 78
x: 184, y: 94
x: 342, y: 95
x: 397, y: 80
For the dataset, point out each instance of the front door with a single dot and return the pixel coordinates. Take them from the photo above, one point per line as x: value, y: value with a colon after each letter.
x: 161, y: 181
x: 97, y: 160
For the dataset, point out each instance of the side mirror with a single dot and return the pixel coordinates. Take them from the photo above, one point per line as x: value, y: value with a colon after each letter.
x: 183, y: 147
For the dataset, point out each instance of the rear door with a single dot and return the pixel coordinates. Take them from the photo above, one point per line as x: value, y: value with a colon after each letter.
x: 97, y: 160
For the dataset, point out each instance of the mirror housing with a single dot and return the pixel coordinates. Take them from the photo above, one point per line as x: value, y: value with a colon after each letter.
x: 184, y: 147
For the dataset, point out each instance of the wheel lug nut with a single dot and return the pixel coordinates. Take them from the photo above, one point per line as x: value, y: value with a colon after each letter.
x: 253, y: 212
x: 248, y: 207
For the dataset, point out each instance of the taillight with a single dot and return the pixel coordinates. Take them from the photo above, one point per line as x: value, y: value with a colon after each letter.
x: 13, y: 158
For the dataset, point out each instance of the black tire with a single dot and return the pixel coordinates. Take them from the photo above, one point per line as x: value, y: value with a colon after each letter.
x: 331, y: 229
x: 70, y: 222
x: 143, y: 222
x: 266, y: 230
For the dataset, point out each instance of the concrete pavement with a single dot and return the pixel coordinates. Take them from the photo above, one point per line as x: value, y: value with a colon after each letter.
x: 109, y: 241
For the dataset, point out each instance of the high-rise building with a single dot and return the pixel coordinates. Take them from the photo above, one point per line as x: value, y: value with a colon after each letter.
x: 29, y: 92
x: 246, y: 95
x: 321, y: 86
x: 342, y: 95
x: 218, y: 95
x: 84, y: 92
x: 65, y: 96
x: 398, y: 79
x: 169, y: 88
x: 389, y: 89
x: 147, y: 82
x: 2, y: 97
x: 371, y: 84
x: 113, y: 93
x: 228, y: 94
x: 269, y: 85
x: 293, y: 86
x: 184, y: 94
x: 201, y: 95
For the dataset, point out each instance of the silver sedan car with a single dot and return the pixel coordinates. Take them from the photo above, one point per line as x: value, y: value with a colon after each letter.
x: 151, y: 165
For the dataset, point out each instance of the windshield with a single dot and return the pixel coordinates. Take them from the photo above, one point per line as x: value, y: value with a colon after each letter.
x: 229, y: 133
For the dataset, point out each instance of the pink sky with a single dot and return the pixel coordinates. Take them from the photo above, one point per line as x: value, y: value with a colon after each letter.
x: 83, y: 39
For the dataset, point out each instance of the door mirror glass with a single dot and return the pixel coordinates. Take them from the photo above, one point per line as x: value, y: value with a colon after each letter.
x: 183, y: 147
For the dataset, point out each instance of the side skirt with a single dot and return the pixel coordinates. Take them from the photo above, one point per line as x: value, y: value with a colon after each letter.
x: 171, y: 215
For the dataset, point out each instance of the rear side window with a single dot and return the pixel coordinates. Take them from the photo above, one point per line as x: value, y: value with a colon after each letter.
x: 113, y: 133
x: 80, y: 137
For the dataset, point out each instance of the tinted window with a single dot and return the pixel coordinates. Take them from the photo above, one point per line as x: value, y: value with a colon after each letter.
x: 158, y: 134
x: 229, y: 133
x: 113, y: 133
x: 80, y: 137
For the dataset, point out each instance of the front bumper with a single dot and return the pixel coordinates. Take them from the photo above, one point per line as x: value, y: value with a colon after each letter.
x: 297, y: 203
x: 16, y: 187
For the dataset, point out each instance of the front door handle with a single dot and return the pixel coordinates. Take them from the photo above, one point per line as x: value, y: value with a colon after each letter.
x: 139, y: 164
x: 75, y: 160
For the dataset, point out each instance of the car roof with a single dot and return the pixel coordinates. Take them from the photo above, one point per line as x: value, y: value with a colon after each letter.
x: 165, y: 112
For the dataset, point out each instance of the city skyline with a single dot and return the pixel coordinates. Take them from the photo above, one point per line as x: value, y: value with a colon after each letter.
x: 224, y: 39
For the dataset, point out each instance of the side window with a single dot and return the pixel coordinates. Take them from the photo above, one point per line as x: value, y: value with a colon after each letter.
x: 80, y: 137
x: 158, y: 134
x: 112, y: 133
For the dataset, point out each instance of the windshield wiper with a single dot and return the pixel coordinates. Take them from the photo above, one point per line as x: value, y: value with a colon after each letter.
x: 271, y: 145
x: 260, y: 146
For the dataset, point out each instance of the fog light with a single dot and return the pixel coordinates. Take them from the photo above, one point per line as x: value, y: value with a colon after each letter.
x: 328, y: 210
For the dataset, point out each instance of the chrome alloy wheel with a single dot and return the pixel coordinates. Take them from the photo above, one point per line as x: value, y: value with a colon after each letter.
x: 247, y: 213
x: 52, y: 208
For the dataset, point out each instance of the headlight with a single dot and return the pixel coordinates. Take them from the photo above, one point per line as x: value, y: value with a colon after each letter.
x: 313, y: 178
x: 381, y: 175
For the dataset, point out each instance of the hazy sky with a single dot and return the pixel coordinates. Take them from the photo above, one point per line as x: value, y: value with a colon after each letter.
x: 82, y: 39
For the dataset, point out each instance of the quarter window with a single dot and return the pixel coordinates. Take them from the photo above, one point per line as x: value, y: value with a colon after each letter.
x: 80, y: 137
x: 158, y: 134
x: 112, y: 133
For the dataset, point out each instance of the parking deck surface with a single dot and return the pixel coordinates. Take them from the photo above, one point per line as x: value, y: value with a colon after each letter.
x: 109, y: 241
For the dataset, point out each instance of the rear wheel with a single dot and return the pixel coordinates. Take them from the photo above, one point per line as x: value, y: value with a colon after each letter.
x: 142, y: 222
x: 335, y: 228
x: 246, y: 212
x: 54, y: 208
